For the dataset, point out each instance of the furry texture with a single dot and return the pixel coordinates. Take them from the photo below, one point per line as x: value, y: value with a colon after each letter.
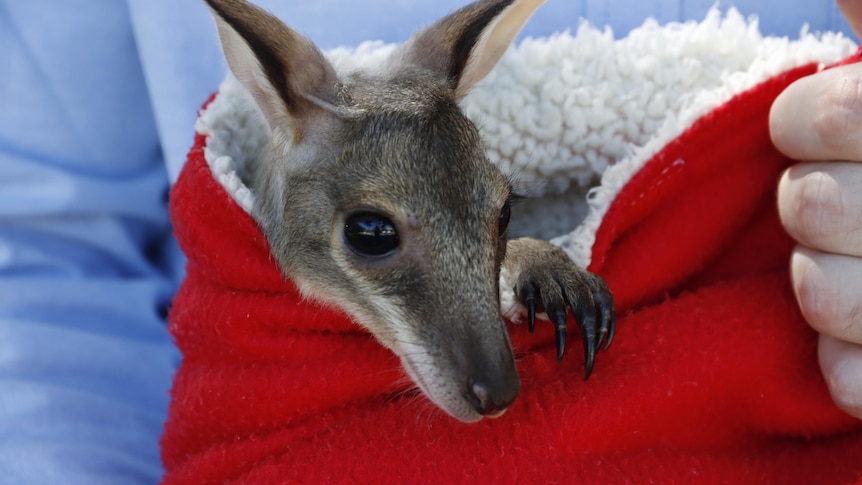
x: 713, y: 377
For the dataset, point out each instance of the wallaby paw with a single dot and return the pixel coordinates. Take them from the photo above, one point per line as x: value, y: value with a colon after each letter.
x: 546, y: 280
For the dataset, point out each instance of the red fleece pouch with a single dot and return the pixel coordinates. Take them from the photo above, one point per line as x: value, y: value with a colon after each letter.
x: 713, y: 377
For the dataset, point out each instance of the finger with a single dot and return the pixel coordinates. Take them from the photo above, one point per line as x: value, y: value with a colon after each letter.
x: 819, y: 117
x: 829, y: 291
x: 821, y: 206
x: 841, y: 363
x: 852, y: 10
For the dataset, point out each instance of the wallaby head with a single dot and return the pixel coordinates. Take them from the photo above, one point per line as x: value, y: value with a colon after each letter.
x: 376, y: 195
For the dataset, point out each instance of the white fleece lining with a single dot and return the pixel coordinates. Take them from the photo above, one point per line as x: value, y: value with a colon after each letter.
x: 562, y: 112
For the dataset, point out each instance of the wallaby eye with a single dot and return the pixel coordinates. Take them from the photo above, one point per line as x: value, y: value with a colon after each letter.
x: 505, y: 216
x: 370, y: 234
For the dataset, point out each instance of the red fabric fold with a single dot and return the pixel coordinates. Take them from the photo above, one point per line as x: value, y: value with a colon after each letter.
x: 713, y: 377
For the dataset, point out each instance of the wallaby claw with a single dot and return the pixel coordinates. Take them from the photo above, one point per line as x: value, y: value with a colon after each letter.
x: 548, y: 281
x: 529, y: 297
x: 557, y: 314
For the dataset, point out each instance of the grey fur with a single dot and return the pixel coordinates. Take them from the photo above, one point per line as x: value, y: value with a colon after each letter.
x: 396, y: 143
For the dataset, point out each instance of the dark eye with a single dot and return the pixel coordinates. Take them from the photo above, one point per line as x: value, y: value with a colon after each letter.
x: 505, y: 216
x: 370, y: 234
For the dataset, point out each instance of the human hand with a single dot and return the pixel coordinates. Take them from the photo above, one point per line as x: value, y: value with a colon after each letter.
x: 818, y: 119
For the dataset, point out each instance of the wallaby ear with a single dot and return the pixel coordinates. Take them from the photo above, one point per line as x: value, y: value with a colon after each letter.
x: 467, y: 44
x: 286, y: 73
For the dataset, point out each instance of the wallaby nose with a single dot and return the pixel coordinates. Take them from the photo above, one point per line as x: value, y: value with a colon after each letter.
x: 491, y: 397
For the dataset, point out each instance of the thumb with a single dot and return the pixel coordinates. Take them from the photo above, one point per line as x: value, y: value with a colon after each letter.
x: 852, y: 10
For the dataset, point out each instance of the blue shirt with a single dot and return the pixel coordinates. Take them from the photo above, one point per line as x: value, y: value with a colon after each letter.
x: 97, y: 104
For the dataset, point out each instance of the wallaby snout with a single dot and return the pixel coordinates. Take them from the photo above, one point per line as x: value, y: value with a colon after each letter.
x: 376, y: 196
x: 492, y: 388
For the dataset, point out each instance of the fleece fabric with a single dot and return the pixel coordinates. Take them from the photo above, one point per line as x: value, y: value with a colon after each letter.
x: 713, y: 376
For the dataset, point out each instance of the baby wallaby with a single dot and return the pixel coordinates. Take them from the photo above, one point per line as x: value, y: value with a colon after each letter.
x: 376, y: 196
